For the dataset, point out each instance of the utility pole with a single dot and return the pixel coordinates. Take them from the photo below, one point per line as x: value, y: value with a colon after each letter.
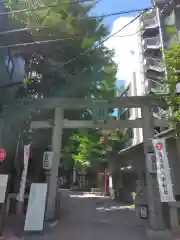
x: 53, y: 175
x: 156, y: 222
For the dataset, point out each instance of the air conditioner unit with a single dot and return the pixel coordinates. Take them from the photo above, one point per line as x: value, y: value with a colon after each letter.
x: 47, y: 160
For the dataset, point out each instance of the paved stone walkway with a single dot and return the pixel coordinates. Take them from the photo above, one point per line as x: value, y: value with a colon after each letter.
x: 89, y: 217
x: 92, y: 217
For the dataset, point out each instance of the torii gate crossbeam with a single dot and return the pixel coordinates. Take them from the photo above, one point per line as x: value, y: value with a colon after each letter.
x: 78, y: 103
x: 147, y: 123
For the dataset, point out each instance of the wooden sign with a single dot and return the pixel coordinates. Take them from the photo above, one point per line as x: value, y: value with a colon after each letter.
x: 47, y: 160
x: 3, y: 186
x: 143, y: 211
x: 36, y: 207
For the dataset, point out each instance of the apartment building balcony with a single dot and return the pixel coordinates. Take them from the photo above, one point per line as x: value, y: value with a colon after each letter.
x: 154, y: 64
x: 153, y: 53
x: 154, y: 75
x: 151, y: 85
x: 151, y: 43
x: 150, y: 25
x: 159, y: 1
x: 160, y: 113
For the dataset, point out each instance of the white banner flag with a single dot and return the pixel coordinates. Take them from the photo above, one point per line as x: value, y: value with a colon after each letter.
x: 3, y: 186
x: 20, y: 196
x: 163, y: 171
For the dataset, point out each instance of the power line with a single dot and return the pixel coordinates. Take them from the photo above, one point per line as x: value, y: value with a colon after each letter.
x: 21, y: 30
x: 97, y: 45
x: 55, y: 40
x: 48, y: 40
x: 85, y: 52
x: 90, y: 17
x: 131, y: 34
x: 121, y: 13
x: 38, y: 29
x: 42, y: 7
x: 128, y: 35
x: 56, y: 5
x: 40, y: 42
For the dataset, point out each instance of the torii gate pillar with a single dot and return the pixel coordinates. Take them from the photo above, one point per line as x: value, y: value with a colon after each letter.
x: 156, y: 220
x: 56, y: 148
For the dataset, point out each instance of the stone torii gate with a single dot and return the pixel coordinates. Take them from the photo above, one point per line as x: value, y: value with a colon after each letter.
x: 147, y: 122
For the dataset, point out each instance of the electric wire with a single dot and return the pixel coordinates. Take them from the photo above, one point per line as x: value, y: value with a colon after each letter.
x: 100, y: 16
x: 98, y: 44
x: 39, y: 42
x: 51, y: 40
x: 132, y: 34
x: 56, y: 40
x: 56, y: 5
x: 86, y: 51
x: 42, y: 7
x: 81, y: 17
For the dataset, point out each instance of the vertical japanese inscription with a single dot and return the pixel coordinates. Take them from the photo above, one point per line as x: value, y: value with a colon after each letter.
x: 100, y: 110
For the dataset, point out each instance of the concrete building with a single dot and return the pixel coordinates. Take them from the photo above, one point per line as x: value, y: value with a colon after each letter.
x: 151, y: 57
x: 143, y: 77
x: 132, y: 86
x: 158, y: 28
x: 155, y: 32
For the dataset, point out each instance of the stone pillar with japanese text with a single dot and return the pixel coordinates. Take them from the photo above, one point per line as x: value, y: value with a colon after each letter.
x: 155, y: 216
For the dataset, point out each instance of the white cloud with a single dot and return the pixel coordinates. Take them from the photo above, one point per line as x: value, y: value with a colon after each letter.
x: 124, y: 45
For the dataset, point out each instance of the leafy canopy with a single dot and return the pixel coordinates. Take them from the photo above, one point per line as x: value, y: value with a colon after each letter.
x: 61, y: 69
x: 90, y: 74
x: 172, y: 60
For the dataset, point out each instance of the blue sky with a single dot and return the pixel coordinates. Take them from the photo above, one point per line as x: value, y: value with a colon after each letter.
x: 125, y: 53
x: 108, y: 6
x: 111, y: 6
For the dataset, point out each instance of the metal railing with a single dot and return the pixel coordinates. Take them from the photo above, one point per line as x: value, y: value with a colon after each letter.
x: 150, y: 42
x: 154, y: 64
x: 150, y: 23
x: 152, y: 84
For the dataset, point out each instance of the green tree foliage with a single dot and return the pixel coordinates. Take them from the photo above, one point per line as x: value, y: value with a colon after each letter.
x: 91, y: 74
x: 54, y: 70
x: 91, y: 148
x: 172, y: 60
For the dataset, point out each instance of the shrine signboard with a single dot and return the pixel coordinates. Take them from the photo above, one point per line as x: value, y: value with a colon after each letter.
x: 163, y: 171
